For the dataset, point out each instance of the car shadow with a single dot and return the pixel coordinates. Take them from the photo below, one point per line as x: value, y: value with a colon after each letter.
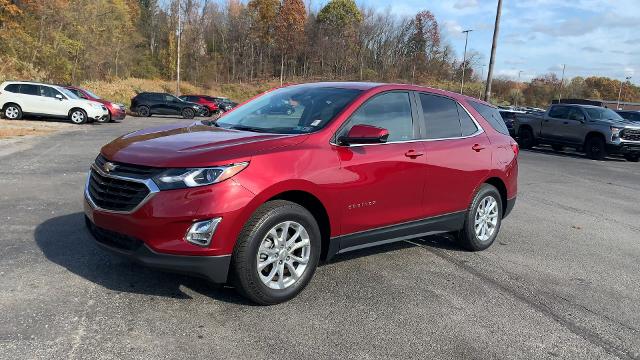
x: 65, y: 241
x: 564, y: 153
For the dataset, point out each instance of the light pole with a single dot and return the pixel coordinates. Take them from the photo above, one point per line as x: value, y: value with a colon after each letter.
x: 496, y: 29
x: 564, y: 66
x: 620, y: 92
x: 464, y: 58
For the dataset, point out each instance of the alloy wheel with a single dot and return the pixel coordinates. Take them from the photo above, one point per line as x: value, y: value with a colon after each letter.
x: 11, y: 112
x: 283, y: 255
x: 486, y: 218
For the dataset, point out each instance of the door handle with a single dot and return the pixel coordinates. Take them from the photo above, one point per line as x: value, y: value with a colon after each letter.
x: 477, y: 147
x: 413, y: 154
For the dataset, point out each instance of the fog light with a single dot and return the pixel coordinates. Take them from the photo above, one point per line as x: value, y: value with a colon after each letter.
x: 200, y: 232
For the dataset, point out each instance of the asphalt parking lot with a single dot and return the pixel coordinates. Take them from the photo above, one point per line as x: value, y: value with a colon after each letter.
x: 561, y: 281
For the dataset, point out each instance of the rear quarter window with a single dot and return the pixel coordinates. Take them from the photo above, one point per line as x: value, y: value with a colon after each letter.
x: 492, y: 115
x: 12, y: 88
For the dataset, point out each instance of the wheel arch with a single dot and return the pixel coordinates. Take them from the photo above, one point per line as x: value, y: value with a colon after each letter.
x: 592, y: 134
x: 77, y: 108
x: 499, y: 184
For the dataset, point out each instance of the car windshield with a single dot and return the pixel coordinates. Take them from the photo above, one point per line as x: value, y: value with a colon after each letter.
x: 67, y: 93
x: 602, y: 114
x: 290, y: 110
x: 92, y: 94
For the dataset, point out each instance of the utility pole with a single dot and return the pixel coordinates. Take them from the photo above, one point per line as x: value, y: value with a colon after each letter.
x: 496, y: 29
x: 564, y: 66
x: 620, y: 92
x: 518, y: 88
x: 178, y: 65
x: 464, y: 58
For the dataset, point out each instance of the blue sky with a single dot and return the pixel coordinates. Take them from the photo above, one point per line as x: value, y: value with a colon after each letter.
x: 592, y: 37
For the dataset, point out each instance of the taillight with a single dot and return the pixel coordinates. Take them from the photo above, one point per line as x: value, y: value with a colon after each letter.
x: 515, y: 148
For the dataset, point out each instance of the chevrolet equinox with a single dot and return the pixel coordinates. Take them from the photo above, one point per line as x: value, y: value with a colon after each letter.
x: 259, y: 197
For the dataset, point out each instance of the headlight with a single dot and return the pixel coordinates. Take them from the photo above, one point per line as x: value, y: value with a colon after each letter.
x: 185, y: 178
x: 615, y: 131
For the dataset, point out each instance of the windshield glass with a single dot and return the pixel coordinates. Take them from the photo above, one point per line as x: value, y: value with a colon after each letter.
x: 290, y: 110
x: 603, y: 114
x: 92, y: 94
x: 67, y: 93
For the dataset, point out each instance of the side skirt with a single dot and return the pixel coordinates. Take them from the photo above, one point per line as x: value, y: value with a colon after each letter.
x: 389, y: 234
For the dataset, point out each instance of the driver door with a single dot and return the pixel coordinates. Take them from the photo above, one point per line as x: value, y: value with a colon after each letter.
x: 383, y: 184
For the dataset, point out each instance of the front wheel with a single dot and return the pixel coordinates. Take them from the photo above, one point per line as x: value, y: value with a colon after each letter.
x: 188, y: 113
x: 144, y: 111
x: 482, y: 221
x: 78, y: 116
x: 205, y: 112
x: 632, y: 157
x: 595, y: 148
x: 277, y: 253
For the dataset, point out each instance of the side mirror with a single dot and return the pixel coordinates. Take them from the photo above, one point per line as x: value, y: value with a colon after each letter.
x: 365, y: 134
x: 59, y: 97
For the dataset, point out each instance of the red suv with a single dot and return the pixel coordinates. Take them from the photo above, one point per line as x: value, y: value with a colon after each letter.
x: 116, y: 111
x: 260, y: 197
x: 210, y: 107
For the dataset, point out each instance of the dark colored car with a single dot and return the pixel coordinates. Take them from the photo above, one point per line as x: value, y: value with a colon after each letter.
x: 209, y: 106
x: 224, y: 104
x: 631, y: 115
x: 509, y: 118
x: 116, y: 111
x: 597, y: 131
x: 150, y: 103
x: 260, y: 198
x: 282, y: 108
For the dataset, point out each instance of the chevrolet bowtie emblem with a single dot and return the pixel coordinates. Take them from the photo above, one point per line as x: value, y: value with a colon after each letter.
x: 109, y: 167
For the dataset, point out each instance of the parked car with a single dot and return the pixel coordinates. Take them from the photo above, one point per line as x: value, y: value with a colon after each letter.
x: 209, y: 106
x: 19, y: 98
x: 260, y: 198
x: 509, y: 116
x: 116, y: 111
x: 224, y: 104
x: 284, y: 107
x: 631, y: 115
x: 150, y: 103
x: 595, y: 130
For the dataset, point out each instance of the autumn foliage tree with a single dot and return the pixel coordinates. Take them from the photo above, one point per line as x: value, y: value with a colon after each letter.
x: 290, y: 30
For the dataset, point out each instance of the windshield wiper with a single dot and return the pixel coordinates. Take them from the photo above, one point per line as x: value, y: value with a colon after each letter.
x: 247, y: 128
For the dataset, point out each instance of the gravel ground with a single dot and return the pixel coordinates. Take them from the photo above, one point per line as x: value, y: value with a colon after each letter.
x: 561, y: 281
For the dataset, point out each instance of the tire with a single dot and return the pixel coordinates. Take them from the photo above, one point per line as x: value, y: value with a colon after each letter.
x: 526, y: 139
x: 143, y: 111
x: 12, y: 112
x: 256, y: 241
x: 632, y: 158
x: 188, y: 113
x: 468, y: 237
x: 78, y: 116
x: 206, y: 113
x: 557, y: 147
x: 595, y: 148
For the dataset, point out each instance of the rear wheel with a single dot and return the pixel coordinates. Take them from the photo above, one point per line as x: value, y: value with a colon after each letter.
x: 78, y: 116
x: 144, y: 111
x: 483, y: 220
x: 277, y: 253
x: 205, y: 112
x: 527, y: 141
x: 12, y: 112
x: 557, y: 147
x: 595, y: 148
x: 188, y: 113
x: 632, y: 157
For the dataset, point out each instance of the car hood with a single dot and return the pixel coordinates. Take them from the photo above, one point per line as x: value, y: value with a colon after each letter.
x: 194, y: 145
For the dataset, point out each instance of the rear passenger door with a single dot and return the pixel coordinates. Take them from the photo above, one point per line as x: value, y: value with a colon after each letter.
x: 552, y: 125
x: 30, y: 99
x: 458, y: 154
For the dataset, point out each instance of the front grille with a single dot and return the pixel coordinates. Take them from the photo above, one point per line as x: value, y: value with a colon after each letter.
x: 129, y: 170
x: 112, y: 238
x: 631, y: 134
x: 115, y: 194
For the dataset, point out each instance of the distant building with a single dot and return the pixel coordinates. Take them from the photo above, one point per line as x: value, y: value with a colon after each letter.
x: 611, y: 104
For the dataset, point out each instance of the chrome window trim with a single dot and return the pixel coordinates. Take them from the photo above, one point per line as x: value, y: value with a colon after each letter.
x: 478, y: 132
x: 153, y: 189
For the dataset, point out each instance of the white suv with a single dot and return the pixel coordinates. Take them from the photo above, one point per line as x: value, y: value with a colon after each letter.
x: 19, y: 98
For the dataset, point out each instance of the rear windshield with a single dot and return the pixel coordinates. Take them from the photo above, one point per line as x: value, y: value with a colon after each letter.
x: 492, y: 115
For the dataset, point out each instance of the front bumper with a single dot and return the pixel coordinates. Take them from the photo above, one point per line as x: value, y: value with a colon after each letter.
x: 624, y: 148
x: 118, y: 114
x: 212, y: 268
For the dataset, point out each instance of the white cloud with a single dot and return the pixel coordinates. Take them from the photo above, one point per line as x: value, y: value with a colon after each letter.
x: 463, y: 4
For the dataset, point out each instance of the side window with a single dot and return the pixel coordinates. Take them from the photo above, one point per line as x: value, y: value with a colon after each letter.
x: 575, y: 114
x: 29, y: 89
x: 14, y: 88
x: 168, y: 98
x: 492, y: 115
x: 49, y: 91
x: 155, y: 97
x: 466, y: 123
x: 441, y: 117
x: 559, y: 112
x: 391, y: 111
